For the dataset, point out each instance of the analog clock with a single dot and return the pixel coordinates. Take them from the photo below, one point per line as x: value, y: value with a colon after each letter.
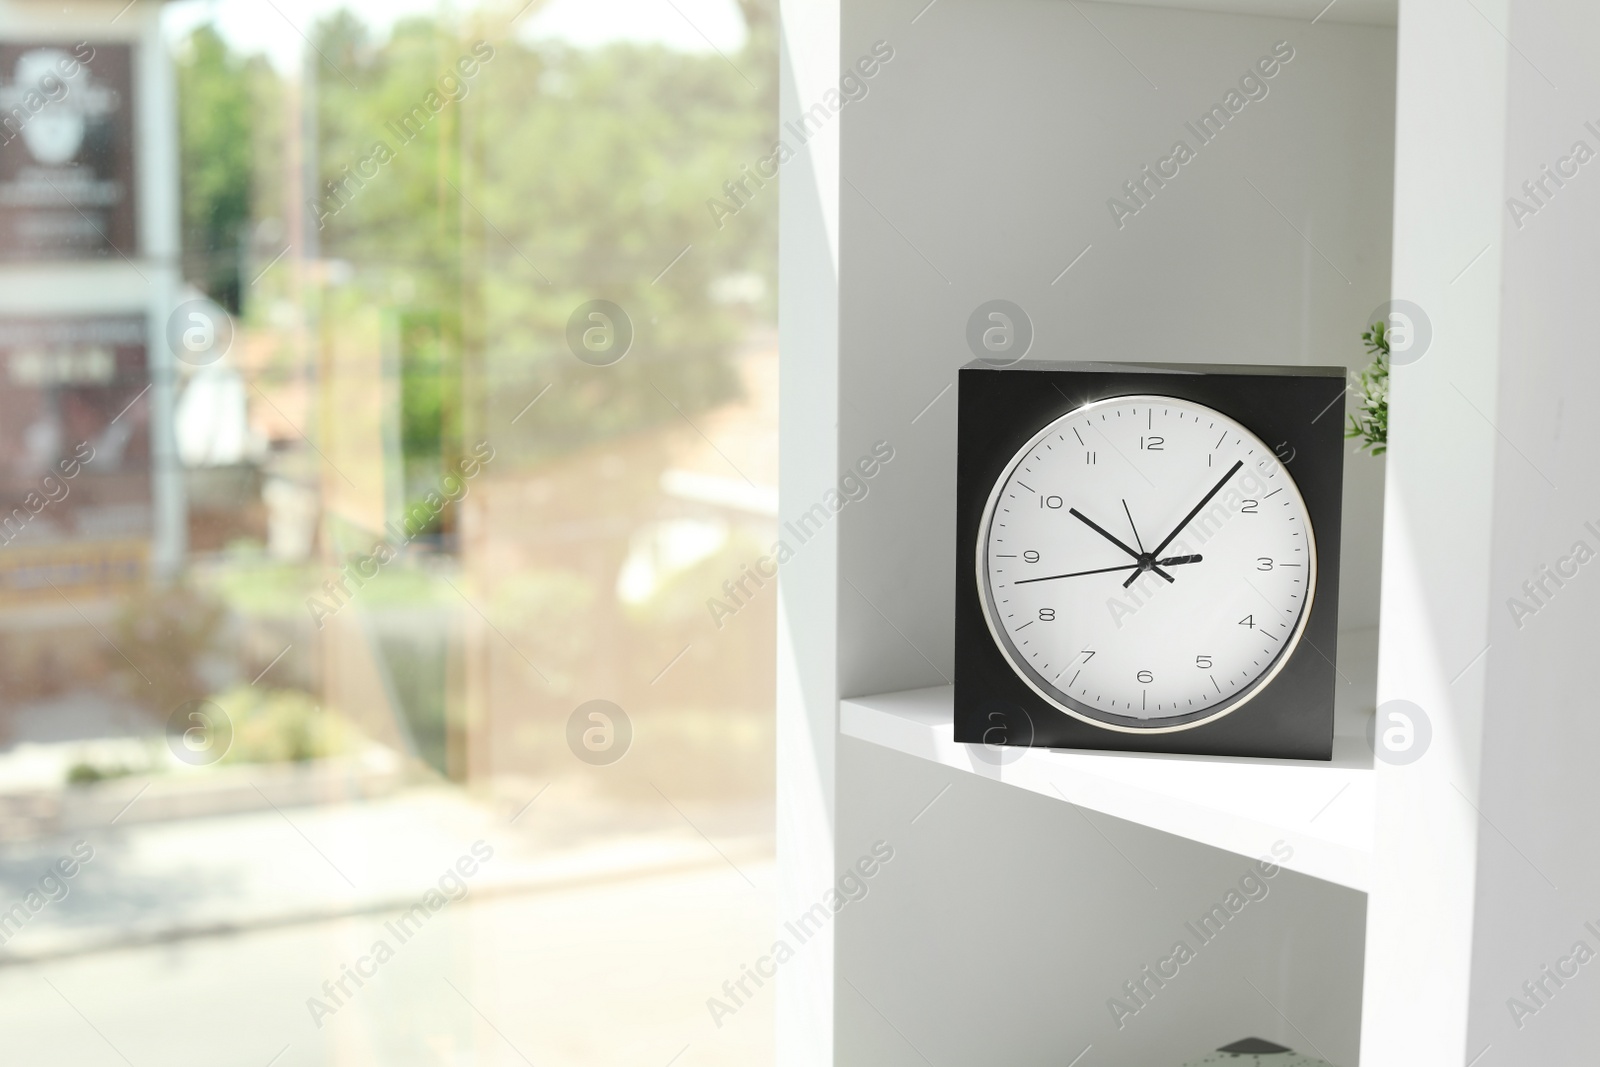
x: 1147, y: 557
x: 1146, y: 563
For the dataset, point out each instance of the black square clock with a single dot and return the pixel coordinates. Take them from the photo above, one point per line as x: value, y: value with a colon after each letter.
x: 1148, y: 557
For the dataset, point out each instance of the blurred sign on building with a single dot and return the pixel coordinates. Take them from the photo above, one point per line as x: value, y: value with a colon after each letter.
x: 75, y: 475
x: 66, y: 151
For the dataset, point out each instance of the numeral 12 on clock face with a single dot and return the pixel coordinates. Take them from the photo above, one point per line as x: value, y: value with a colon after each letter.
x: 1146, y: 563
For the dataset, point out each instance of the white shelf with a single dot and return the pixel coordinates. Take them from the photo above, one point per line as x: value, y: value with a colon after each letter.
x: 1323, y: 811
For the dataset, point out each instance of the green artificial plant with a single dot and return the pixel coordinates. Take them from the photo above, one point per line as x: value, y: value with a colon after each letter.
x: 1370, y: 420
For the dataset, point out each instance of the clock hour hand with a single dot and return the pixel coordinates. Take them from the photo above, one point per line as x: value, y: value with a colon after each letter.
x: 1109, y: 536
x: 1215, y: 489
x: 1173, y: 562
x: 1170, y: 561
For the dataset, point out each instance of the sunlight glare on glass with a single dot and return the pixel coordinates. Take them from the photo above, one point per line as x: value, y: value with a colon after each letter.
x: 683, y: 25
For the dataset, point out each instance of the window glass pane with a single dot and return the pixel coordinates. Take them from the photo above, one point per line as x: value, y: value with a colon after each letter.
x: 387, y: 458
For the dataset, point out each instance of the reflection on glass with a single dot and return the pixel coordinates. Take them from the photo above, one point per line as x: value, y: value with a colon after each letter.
x: 388, y: 394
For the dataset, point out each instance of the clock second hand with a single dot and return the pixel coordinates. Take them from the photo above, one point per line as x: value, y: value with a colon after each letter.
x: 1109, y: 536
x: 1171, y: 561
x: 1143, y: 558
x: 1133, y: 526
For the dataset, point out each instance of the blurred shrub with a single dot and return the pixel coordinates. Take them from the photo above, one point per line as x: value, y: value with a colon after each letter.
x: 165, y: 635
x: 89, y: 773
x: 284, y: 726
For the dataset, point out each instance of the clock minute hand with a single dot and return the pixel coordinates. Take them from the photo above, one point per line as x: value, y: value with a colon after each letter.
x: 1109, y: 536
x: 1215, y: 489
x: 1170, y: 562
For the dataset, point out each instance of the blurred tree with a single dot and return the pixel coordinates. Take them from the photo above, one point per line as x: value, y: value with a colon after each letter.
x: 548, y: 177
x: 761, y: 51
x: 215, y: 117
x: 430, y: 402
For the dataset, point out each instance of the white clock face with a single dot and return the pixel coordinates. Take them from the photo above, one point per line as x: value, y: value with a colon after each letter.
x: 1146, y: 564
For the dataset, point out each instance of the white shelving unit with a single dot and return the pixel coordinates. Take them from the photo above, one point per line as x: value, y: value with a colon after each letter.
x: 1028, y: 890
